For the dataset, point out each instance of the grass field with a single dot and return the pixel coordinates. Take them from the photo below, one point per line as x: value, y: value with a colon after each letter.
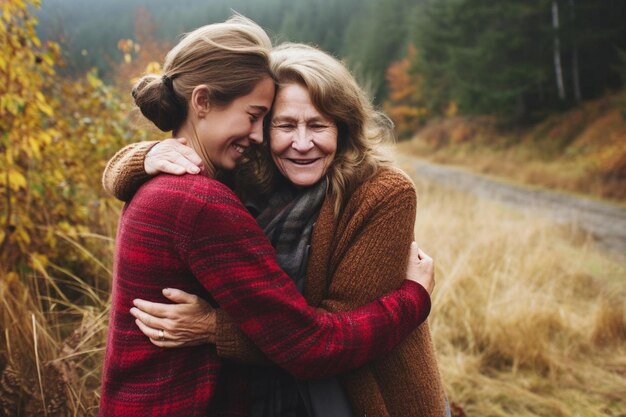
x: 528, y: 320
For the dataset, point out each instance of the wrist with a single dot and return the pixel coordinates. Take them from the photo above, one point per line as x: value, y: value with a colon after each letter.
x: 146, y: 166
x: 212, y: 325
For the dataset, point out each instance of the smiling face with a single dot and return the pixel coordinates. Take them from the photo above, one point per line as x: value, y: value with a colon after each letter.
x: 225, y: 132
x: 303, y: 141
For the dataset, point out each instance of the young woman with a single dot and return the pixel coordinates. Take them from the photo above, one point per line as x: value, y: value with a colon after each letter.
x: 191, y: 232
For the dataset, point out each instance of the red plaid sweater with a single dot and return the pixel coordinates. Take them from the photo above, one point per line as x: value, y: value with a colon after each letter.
x: 193, y: 233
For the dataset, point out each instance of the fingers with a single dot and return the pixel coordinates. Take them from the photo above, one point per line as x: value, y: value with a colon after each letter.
x: 168, y: 167
x: 179, y: 296
x: 149, y: 320
x: 420, y: 268
x: 172, y: 156
x: 175, y: 163
x: 191, y: 156
x: 157, y: 310
x: 155, y: 336
x: 168, y: 343
x: 417, y: 252
x: 424, y: 256
x: 150, y: 332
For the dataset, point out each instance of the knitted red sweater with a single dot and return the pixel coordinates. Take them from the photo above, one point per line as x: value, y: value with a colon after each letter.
x: 192, y: 233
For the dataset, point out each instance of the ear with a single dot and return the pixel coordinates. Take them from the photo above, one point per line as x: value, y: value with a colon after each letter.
x: 200, y: 101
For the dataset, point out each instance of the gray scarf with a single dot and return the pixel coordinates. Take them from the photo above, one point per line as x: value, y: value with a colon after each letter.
x: 288, y: 221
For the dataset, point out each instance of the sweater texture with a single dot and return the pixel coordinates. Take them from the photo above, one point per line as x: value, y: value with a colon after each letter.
x: 354, y: 258
x: 193, y: 233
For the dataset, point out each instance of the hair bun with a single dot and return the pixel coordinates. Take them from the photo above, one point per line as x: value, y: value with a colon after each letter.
x: 158, y: 103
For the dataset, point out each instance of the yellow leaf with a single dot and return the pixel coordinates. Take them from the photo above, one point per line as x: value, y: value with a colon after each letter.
x: 16, y: 180
x: 46, y: 109
x: 93, y: 80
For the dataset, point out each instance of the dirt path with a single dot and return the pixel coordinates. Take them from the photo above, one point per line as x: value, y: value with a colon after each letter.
x: 606, y: 222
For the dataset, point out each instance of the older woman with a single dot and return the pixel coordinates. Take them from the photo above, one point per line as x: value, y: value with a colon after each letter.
x: 329, y: 187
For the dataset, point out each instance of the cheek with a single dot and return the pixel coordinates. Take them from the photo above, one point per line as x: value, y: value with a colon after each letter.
x: 328, y: 144
x: 279, y: 143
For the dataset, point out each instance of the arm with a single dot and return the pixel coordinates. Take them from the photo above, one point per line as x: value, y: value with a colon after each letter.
x: 375, y: 250
x: 136, y: 163
x: 376, y: 256
x: 231, y: 343
x: 390, y: 224
x: 125, y: 173
x: 190, y: 321
x: 226, y: 242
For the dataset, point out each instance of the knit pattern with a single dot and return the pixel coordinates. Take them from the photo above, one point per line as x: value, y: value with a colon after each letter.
x: 125, y: 173
x: 192, y: 233
x: 355, y: 258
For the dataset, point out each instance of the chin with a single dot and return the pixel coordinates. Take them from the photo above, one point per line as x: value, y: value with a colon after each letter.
x: 304, y: 182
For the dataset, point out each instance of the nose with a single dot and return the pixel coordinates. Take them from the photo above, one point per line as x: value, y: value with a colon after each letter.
x: 300, y: 142
x: 256, y: 134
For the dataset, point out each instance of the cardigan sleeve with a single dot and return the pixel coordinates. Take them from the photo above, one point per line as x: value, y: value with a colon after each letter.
x: 230, y: 256
x: 125, y: 173
x: 369, y: 262
x: 371, y: 258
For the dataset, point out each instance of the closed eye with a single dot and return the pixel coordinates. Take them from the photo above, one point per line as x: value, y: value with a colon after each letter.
x: 254, y: 117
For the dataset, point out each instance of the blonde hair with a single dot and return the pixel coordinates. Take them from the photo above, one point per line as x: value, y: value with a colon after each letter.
x: 363, y: 132
x: 230, y: 58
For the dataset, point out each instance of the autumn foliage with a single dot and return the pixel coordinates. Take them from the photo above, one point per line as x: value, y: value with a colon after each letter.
x: 404, y: 104
x: 56, y: 222
x: 141, y: 54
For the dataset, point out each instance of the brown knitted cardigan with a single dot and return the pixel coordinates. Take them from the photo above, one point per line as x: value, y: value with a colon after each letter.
x: 349, y: 256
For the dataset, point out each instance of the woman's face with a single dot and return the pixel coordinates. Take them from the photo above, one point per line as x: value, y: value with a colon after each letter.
x: 303, y: 141
x: 225, y: 132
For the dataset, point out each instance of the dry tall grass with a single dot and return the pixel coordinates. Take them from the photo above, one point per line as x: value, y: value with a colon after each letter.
x: 528, y: 320
x: 54, y: 326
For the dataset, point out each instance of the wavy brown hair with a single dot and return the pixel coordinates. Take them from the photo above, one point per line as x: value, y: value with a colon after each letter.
x: 363, y: 132
x: 229, y: 58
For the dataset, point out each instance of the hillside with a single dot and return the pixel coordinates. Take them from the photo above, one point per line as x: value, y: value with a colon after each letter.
x: 582, y: 150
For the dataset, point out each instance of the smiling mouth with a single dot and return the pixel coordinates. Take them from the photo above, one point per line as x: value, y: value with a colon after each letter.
x: 239, y: 148
x: 303, y: 161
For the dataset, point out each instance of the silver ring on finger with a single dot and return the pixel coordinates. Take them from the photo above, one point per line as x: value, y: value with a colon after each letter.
x: 161, y: 335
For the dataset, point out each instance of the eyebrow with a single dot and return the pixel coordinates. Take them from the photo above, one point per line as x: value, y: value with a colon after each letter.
x: 259, y: 108
x: 287, y: 118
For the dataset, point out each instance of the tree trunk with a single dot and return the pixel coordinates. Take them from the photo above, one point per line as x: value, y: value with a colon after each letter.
x: 557, y: 51
x: 575, y: 67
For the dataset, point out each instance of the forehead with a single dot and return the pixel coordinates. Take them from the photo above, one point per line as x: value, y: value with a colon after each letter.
x: 261, y: 96
x: 293, y: 97
x: 293, y: 101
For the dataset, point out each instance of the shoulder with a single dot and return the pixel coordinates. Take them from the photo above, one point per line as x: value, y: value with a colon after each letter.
x: 386, y: 186
x: 188, y: 191
x: 387, y: 192
x: 196, y: 186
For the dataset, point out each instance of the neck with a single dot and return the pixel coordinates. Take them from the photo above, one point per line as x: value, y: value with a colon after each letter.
x: 188, y: 132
